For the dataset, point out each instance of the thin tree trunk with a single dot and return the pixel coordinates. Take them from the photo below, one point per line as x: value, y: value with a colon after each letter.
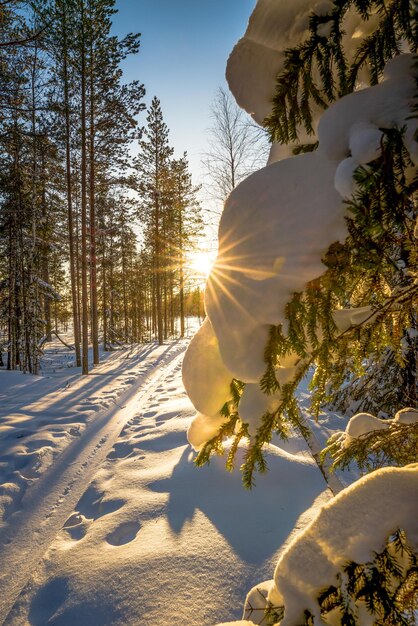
x: 74, y: 299
x: 181, y: 263
x: 31, y: 298
x: 172, y: 330
x: 104, y: 296
x: 111, y: 288
x: 125, y: 303
x: 158, y: 273
x: 93, y: 269
x: 84, y: 290
x: 45, y: 255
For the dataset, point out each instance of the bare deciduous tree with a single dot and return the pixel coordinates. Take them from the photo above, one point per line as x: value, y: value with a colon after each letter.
x: 237, y: 147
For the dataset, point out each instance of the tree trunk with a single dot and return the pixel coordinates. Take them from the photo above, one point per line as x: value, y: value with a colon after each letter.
x: 181, y: 263
x: 73, y: 278
x: 84, y: 290
x: 93, y: 269
x: 158, y: 273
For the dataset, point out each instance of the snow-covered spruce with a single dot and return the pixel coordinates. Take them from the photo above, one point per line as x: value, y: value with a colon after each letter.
x: 275, y: 229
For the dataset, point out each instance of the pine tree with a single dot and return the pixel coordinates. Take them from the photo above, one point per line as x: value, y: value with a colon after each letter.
x: 187, y: 224
x: 110, y: 110
x: 153, y: 168
x: 27, y: 171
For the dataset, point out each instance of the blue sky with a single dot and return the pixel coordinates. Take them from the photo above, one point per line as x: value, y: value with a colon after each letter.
x: 185, y: 46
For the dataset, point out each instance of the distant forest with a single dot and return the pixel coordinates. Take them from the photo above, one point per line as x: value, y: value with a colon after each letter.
x: 97, y: 217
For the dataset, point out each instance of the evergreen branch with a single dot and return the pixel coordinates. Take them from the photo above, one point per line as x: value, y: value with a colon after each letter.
x: 325, y: 59
x: 215, y: 445
x: 397, y: 445
x: 25, y: 40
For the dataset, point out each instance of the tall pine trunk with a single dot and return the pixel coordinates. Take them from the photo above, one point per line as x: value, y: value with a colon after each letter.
x: 84, y: 289
x: 93, y: 269
x: 158, y: 294
x: 73, y: 278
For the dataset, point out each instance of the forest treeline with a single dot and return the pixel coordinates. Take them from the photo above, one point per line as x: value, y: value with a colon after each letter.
x: 96, y: 214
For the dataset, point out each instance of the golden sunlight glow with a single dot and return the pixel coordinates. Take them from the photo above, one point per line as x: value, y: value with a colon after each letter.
x: 201, y: 262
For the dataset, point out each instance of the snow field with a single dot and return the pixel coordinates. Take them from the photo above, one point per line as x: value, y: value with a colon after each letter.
x: 153, y: 540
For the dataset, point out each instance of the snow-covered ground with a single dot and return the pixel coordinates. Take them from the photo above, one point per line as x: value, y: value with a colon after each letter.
x: 106, y: 520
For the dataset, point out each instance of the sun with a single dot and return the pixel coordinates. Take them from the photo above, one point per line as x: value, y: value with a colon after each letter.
x: 201, y: 262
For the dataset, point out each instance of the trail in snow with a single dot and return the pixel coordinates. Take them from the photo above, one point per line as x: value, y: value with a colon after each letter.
x: 48, y: 500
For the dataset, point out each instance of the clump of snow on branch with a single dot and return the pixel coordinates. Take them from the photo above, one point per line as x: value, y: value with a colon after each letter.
x: 408, y: 415
x: 205, y: 377
x: 257, y: 58
x: 240, y: 623
x: 362, y: 424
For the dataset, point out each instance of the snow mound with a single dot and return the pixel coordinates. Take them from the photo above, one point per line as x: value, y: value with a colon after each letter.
x: 381, y: 503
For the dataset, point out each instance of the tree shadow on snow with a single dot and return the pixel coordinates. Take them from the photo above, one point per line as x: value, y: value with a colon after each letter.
x: 52, y: 606
x: 254, y: 523
x: 47, y: 602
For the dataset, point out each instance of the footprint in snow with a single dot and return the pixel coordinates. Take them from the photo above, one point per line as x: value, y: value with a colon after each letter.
x: 58, y: 435
x: 121, y: 450
x: 92, y: 504
x: 125, y: 533
x: 76, y: 526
